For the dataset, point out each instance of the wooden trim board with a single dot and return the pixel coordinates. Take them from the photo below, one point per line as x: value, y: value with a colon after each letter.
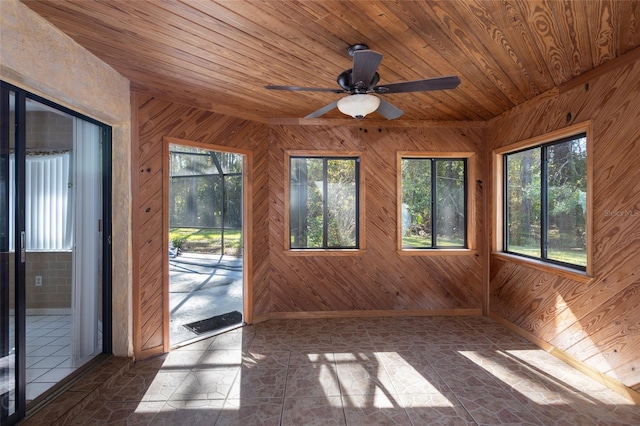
x: 374, y: 314
x: 607, y: 381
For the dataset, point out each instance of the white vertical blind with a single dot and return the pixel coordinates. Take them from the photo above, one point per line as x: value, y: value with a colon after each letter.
x: 87, y: 241
x: 47, y: 202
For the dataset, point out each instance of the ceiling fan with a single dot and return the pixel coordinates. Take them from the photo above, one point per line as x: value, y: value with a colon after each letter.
x: 360, y: 82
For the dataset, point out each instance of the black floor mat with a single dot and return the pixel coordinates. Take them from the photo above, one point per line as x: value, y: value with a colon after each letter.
x: 215, y: 323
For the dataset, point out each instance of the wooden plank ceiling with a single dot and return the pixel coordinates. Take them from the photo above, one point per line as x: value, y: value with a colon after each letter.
x: 219, y: 54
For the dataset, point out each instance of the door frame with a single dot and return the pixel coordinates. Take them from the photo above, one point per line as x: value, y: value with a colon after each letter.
x: 247, y: 227
x: 19, y: 291
x: 106, y: 132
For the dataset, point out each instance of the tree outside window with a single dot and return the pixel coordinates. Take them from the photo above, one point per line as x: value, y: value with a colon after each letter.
x: 433, y: 203
x: 545, y: 200
x: 205, y: 200
x: 323, y: 204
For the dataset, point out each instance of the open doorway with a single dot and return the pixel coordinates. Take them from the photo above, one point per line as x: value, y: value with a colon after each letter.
x: 206, y: 262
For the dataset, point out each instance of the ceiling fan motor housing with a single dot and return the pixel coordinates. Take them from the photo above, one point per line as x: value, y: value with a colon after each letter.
x: 360, y: 82
x: 345, y: 80
x: 355, y: 47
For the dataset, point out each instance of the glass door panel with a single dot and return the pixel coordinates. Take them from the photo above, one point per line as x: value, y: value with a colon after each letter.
x: 63, y: 205
x: 8, y: 376
x: 49, y: 242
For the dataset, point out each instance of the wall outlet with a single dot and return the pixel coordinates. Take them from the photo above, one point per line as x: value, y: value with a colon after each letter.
x: 38, y: 281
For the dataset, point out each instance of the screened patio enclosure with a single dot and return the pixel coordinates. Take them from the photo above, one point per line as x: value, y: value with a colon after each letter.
x: 206, y: 244
x: 205, y: 202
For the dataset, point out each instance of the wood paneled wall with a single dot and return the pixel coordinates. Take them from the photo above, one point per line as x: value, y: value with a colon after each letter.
x: 379, y: 278
x: 156, y: 119
x: 598, y: 322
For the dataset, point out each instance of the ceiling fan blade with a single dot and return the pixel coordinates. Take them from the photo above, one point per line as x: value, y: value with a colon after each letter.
x: 438, y: 83
x: 365, y: 64
x: 389, y: 111
x: 304, y: 89
x: 325, y: 109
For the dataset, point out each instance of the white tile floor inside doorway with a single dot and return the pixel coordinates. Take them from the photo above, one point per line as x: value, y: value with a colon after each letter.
x: 48, y: 347
x: 48, y: 354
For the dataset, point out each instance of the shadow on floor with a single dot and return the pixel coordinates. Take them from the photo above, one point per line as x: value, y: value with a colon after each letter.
x: 427, y: 370
x: 201, y: 286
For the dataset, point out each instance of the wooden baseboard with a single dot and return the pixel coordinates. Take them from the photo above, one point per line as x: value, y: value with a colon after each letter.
x: 259, y: 318
x: 607, y: 381
x: 370, y: 314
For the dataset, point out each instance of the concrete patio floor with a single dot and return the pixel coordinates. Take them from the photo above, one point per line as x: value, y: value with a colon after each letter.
x: 201, y: 286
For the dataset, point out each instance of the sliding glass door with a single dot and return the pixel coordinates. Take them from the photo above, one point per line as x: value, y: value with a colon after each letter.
x: 10, y: 363
x: 55, y: 247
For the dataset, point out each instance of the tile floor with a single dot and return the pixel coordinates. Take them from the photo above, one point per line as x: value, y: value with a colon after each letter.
x: 404, y: 371
x: 48, y: 345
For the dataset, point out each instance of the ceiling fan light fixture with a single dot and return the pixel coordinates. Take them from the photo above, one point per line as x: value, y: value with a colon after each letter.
x: 358, y: 105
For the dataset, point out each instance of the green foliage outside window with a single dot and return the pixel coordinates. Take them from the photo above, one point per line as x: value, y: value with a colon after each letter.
x: 206, y: 188
x: 323, y: 202
x: 433, y: 203
x: 205, y: 200
x: 546, y: 192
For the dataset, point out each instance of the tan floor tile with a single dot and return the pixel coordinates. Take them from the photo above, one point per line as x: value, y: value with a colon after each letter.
x: 122, y: 413
x: 364, y: 379
x: 372, y: 410
x: 189, y: 413
x: 206, y: 384
x: 239, y: 338
x: 301, y: 357
x: 259, y: 383
x: 494, y: 406
x: 182, y: 359
x: 466, y: 376
x: 265, y: 358
x: 270, y: 341
x: 251, y: 412
x: 313, y: 380
x: 311, y: 341
x: 560, y: 408
x: 401, y: 355
x: 313, y: 411
x: 143, y: 386
x: 219, y: 358
x: 435, y: 409
x: 413, y: 380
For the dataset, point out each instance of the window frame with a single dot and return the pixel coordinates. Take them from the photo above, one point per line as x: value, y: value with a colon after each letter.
x: 360, y: 209
x: 499, y: 243
x: 470, y: 208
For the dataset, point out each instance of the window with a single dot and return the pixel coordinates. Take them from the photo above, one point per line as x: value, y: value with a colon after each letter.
x: 545, y: 202
x: 324, y: 202
x: 433, y: 203
x: 47, y: 200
